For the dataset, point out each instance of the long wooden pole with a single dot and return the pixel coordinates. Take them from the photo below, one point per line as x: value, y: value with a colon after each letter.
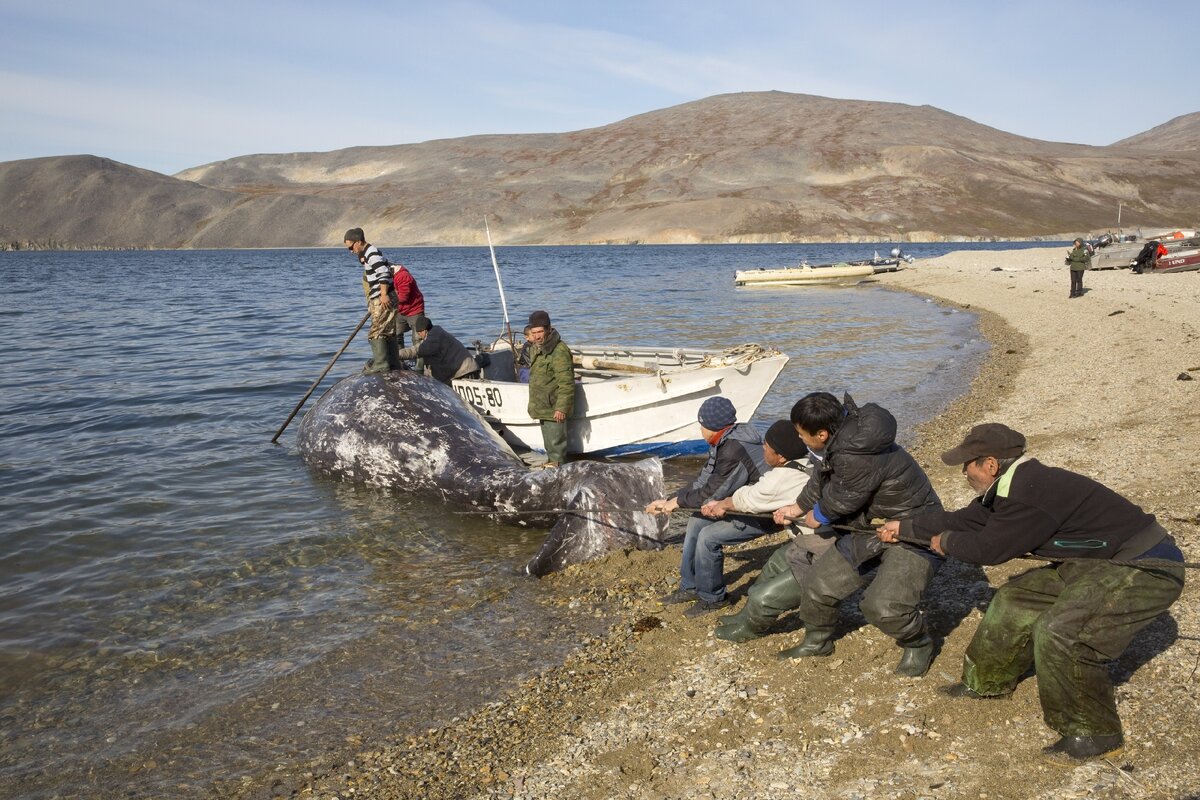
x: 317, y: 382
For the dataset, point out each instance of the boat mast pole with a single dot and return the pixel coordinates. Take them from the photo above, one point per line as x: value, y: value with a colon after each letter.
x: 499, y: 283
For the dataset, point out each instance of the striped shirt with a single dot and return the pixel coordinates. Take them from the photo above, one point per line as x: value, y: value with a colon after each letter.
x: 377, y: 271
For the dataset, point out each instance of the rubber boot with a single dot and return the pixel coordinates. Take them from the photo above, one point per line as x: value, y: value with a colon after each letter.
x: 393, y: 352
x: 915, y: 660
x: 379, y: 357
x: 766, y: 601
x: 817, y: 642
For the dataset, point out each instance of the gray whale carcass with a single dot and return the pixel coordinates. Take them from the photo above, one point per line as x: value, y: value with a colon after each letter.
x: 409, y: 432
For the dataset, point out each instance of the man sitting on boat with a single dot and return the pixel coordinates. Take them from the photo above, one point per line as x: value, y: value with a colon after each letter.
x: 444, y: 356
x: 735, y: 459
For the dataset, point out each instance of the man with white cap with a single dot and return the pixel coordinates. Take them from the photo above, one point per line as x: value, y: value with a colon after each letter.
x: 735, y: 459
x: 1069, y: 618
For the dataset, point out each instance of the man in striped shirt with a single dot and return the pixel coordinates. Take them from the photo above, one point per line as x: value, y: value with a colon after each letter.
x: 381, y: 302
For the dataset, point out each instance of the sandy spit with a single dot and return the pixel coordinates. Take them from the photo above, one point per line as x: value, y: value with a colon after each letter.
x: 661, y: 709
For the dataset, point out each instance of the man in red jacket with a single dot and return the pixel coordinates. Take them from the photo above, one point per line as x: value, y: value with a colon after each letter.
x: 410, y: 302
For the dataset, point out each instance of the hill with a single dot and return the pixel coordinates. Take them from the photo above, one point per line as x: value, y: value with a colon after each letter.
x: 1181, y: 133
x: 750, y: 167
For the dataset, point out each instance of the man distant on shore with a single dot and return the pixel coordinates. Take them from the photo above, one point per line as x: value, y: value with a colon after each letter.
x: 1068, y: 618
x: 444, y: 356
x: 381, y: 302
x: 551, y: 385
x: 1079, y: 260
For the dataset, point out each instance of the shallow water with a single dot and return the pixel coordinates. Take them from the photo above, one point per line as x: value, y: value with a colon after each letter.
x: 180, y: 600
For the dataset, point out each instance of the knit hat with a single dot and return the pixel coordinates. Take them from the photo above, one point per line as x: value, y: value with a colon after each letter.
x: 717, y: 413
x: 421, y: 323
x: 988, y: 439
x: 354, y: 235
x: 784, y: 440
x: 539, y: 319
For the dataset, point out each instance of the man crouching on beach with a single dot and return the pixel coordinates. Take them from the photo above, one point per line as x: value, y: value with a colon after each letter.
x: 1066, y: 619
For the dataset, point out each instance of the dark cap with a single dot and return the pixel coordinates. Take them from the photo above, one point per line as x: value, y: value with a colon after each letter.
x: 988, y: 439
x: 354, y: 235
x: 539, y: 319
x: 421, y: 323
x: 717, y: 413
x: 784, y: 440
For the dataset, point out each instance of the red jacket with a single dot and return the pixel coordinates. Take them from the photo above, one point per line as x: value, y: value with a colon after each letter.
x: 410, y: 299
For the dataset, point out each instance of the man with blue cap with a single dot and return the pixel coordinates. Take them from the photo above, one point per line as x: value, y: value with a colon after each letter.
x: 735, y: 459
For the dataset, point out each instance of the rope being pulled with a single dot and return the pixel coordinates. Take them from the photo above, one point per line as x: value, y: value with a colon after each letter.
x: 1144, y: 563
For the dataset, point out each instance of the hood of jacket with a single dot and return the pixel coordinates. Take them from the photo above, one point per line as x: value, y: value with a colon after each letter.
x: 867, y: 430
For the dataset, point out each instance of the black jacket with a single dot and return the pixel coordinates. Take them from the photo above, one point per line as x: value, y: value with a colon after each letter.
x: 866, y: 475
x: 444, y: 355
x: 1044, y: 510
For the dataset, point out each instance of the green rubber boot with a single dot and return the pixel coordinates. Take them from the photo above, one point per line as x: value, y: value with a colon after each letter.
x: 817, y: 642
x: 916, y: 658
x: 770, y: 596
x: 379, y: 357
x: 392, y: 344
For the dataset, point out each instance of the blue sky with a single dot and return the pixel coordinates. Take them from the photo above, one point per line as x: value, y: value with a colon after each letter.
x: 170, y: 85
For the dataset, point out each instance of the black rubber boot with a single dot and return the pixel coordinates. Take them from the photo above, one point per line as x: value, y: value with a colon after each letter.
x: 916, y: 658
x: 1072, y: 751
x: 817, y: 642
x: 379, y: 357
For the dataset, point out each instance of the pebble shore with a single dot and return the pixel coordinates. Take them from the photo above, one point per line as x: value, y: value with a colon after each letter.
x: 1107, y: 384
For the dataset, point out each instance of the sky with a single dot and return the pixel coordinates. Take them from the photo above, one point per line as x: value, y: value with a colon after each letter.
x: 171, y: 85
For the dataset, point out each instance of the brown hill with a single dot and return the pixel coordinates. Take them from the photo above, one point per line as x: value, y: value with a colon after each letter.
x: 764, y: 166
x: 1181, y: 133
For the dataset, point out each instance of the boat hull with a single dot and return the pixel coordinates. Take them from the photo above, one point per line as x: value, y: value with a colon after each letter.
x: 651, y: 412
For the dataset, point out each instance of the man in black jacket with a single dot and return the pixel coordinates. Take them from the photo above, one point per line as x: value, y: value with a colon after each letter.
x: 1069, y: 618
x: 864, y: 475
x: 444, y: 356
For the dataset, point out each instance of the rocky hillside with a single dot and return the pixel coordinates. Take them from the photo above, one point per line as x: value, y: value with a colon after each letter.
x: 752, y: 167
x: 1181, y: 133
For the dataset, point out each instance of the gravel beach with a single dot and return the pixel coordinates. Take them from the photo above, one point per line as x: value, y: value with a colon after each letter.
x: 1107, y: 384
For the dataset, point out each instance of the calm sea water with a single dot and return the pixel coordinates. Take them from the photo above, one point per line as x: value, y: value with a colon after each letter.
x: 182, y: 600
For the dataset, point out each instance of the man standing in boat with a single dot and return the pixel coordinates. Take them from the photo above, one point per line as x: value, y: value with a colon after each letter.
x: 1113, y: 570
x: 551, y: 385
x: 381, y: 302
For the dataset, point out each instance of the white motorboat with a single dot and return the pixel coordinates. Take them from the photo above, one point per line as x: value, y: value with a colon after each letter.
x: 805, y: 275
x: 628, y: 400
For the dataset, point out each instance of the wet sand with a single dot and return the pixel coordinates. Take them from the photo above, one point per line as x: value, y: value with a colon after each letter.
x: 659, y: 708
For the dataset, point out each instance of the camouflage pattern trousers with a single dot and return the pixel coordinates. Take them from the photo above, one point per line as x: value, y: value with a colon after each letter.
x: 1068, y: 621
x: 383, y: 320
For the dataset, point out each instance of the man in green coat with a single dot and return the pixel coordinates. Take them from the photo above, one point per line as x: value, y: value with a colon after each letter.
x: 551, y: 385
x: 1079, y: 260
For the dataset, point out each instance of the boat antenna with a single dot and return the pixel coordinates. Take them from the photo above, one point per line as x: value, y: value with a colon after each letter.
x: 503, y: 303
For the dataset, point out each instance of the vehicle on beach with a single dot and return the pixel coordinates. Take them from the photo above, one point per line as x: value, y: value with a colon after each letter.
x: 627, y: 400
x: 843, y: 273
x: 1118, y: 251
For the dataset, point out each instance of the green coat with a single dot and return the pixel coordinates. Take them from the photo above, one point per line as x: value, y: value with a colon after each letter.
x: 551, y: 380
x: 1079, y: 259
